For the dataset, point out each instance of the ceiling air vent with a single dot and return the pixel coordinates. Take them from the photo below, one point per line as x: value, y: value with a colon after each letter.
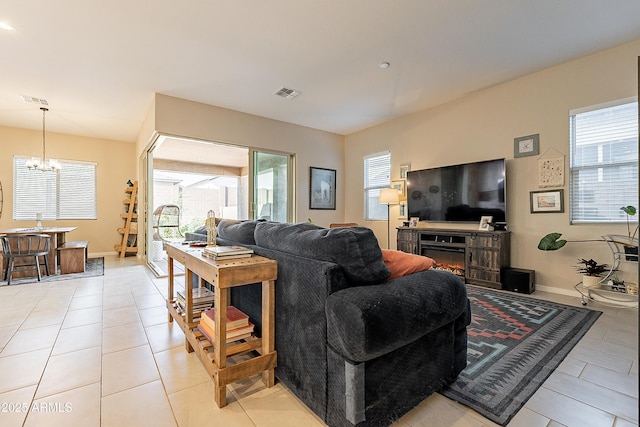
x: 287, y: 93
x: 33, y: 100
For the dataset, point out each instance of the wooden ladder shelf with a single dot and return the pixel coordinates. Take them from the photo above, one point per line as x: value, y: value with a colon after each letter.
x: 129, y: 242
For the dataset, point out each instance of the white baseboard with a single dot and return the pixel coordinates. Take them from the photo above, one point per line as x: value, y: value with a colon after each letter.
x: 104, y: 254
x: 561, y: 291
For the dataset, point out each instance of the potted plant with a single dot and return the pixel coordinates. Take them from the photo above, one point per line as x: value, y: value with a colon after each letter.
x: 630, y: 250
x: 617, y: 285
x: 591, y: 271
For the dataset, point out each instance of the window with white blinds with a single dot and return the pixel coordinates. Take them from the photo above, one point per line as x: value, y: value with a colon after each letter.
x: 604, y: 162
x: 69, y: 193
x: 377, y: 173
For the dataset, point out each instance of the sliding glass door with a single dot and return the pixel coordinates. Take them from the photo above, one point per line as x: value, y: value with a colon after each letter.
x: 272, y: 181
x: 199, y: 176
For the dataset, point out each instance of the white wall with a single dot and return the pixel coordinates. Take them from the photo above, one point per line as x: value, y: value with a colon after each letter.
x: 481, y: 126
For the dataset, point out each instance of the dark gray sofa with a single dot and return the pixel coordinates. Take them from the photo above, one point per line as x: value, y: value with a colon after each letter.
x: 197, y: 235
x: 356, y: 348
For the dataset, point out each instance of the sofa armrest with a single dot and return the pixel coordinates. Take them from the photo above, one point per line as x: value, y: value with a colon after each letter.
x: 368, y: 321
x: 195, y: 237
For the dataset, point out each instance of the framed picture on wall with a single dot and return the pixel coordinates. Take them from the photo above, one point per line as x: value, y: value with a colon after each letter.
x: 526, y: 146
x: 401, y: 186
x: 322, y: 188
x: 547, y: 201
x: 404, y: 168
x: 403, y: 210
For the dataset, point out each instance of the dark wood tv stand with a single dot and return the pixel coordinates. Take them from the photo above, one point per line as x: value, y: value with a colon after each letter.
x: 482, y: 253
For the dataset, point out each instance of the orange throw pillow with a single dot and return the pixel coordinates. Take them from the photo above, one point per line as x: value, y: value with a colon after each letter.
x: 401, y: 263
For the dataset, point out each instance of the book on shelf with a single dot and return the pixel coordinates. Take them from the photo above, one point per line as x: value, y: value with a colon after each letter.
x: 232, y: 335
x: 235, y: 318
x: 198, y: 294
x: 201, y: 299
x: 197, y: 308
x: 225, y: 257
x: 222, y: 251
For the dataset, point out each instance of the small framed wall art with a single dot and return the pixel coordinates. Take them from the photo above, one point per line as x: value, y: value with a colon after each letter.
x: 322, y: 188
x: 401, y: 186
x: 547, y: 201
x: 526, y: 146
x: 403, y: 210
x: 404, y: 168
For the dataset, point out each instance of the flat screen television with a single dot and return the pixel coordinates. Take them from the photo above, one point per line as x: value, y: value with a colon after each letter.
x: 458, y: 193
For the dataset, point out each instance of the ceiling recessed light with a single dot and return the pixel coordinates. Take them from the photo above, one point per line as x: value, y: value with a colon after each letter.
x: 4, y: 26
x: 384, y: 65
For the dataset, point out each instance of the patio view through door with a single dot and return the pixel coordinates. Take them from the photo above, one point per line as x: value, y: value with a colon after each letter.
x: 202, y: 176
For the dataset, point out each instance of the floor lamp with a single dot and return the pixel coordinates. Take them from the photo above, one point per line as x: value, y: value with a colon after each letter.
x: 389, y: 196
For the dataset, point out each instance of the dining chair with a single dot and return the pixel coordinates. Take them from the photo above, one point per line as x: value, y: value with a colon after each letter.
x: 24, y: 246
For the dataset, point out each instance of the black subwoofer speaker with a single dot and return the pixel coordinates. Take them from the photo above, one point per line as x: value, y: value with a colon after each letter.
x: 518, y: 280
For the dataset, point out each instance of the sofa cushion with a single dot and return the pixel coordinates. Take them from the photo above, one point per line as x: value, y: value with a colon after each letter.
x: 240, y: 232
x: 403, y: 263
x: 365, y: 323
x: 355, y: 249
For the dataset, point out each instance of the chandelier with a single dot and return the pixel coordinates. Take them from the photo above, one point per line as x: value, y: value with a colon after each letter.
x: 42, y: 164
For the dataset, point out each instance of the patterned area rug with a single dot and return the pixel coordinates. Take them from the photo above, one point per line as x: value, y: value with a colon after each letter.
x: 514, y: 343
x: 94, y: 267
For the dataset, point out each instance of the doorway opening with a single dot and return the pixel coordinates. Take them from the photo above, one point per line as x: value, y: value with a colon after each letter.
x: 202, y: 176
x: 197, y: 177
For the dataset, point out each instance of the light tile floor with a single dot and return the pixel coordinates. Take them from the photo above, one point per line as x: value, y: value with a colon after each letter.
x: 99, y: 352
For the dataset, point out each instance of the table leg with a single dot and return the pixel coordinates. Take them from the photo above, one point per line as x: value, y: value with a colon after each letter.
x: 268, y: 326
x: 219, y: 392
x: 57, y: 240
x: 52, y: 256
x: 170, y: 295
x: 221, y: 301
x: 188, y: 305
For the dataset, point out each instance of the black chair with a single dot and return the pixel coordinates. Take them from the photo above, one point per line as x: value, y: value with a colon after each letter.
x: 24, y: 246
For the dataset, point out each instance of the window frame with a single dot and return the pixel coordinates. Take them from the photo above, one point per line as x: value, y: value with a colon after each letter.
x: 59, y: 189
x: 578, y: 213
x: 370, y: 188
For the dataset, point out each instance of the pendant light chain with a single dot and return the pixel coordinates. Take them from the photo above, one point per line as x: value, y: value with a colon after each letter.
x: 44, y: 156
x: 43, y: 164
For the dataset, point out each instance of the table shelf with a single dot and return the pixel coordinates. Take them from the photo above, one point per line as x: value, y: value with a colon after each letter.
x: 224, y: 275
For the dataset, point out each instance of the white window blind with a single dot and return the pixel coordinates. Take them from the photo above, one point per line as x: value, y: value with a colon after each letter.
x: 67, y: 194
x: 604, y: 162
x: 377, y: 172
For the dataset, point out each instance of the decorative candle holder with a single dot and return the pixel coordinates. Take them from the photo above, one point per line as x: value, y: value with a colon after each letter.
x: 212, y: 232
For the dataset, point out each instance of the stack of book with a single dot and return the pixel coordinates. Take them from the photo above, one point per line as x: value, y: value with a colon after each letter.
x: 202, y: 299
x: 226, y: 252
x: 238, y: 325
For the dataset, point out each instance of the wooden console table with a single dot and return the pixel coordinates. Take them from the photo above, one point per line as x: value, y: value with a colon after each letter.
x: 224, y: 275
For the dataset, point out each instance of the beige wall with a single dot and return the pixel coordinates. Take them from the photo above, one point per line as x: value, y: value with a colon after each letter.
x: 175, y: 116
x: 481, y: 126
x: 116, y: 165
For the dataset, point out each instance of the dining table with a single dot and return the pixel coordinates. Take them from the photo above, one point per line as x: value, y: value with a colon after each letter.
x: 58, y: 238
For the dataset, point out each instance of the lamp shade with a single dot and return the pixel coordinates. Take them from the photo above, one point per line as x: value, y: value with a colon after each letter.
x: 389, y: 196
